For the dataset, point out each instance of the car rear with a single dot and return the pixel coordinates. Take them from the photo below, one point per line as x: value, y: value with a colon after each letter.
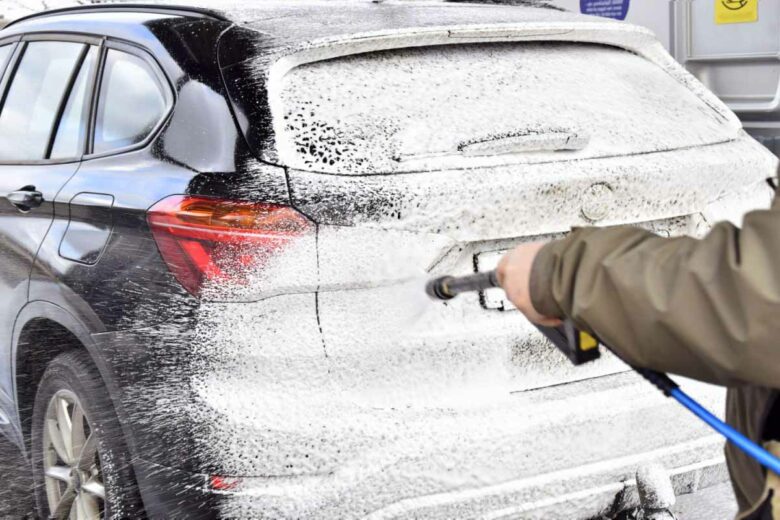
x: 331, y: 385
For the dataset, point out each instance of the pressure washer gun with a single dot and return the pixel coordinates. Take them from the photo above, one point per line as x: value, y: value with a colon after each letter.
x: 580, y: 347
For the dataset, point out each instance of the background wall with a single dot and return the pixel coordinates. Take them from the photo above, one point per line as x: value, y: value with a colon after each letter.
x: 735, y: 52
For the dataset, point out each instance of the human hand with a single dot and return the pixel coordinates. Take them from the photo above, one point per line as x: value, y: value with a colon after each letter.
x: 514, y: 276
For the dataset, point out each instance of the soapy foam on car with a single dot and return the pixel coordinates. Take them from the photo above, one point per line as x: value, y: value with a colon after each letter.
x: 339, y: 417
x: 366, y: 114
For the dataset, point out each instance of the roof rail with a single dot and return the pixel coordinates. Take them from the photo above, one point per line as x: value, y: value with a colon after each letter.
x: 127, y: 7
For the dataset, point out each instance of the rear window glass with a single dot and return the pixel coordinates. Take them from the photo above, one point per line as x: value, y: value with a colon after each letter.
x: 469, y: 105
x: 5, y: 52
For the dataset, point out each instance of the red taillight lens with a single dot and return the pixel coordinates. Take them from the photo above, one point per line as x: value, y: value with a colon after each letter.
x: 205, y: 239
x: 219, y: 483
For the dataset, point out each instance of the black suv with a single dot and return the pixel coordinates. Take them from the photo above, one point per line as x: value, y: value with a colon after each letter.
x: 106, y: 112
x: 213, y: 227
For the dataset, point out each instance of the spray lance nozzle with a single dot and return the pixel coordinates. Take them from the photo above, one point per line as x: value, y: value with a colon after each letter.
x: 448, y: 287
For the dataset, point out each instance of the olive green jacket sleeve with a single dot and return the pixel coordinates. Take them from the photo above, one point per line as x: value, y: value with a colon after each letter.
x: 707, y: 309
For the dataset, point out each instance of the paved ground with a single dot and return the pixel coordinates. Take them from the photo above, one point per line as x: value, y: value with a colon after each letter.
x: 713, y: 503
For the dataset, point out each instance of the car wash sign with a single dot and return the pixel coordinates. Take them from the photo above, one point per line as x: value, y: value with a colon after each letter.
x: 617, y: 9
x: 736, y: 11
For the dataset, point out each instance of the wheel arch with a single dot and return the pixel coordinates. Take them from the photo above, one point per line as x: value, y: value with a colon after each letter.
x: 30, y: 356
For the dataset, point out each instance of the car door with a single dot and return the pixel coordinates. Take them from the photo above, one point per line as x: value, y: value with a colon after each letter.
x: 41, y: 143
x: 98, y: 259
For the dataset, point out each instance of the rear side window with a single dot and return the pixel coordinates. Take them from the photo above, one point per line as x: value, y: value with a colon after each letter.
x: 33, y: 100
x: 5, y: 52
x: 72, y: 129
x: 132, y: 101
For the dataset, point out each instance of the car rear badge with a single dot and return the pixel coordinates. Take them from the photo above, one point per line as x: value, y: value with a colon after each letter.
x: 597, y: 201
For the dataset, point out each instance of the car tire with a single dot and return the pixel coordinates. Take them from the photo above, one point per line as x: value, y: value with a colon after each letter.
x: 79, y: 455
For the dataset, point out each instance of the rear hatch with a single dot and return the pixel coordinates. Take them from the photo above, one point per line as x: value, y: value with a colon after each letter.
x: 421, y: 161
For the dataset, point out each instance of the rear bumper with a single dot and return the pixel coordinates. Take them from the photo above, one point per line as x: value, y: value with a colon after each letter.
x: 562, y: 452
x: 173, y: 493
x: 436, y: 429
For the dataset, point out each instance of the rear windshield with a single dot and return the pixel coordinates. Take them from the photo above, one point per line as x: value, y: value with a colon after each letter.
x: 472, y: 105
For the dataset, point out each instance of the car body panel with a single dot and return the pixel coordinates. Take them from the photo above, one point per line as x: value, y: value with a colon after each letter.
x: 36, y: 310
x: 23, y: 232
x: 535, y: 199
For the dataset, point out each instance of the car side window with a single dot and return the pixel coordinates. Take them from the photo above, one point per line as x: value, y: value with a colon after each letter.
x: 128, y: 82
x: 5, y: 53
x: 72, y: 128
x: 33, y: 99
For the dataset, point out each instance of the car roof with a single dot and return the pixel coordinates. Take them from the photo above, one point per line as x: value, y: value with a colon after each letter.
x: 295, y: 21
x: 130, y: 7
x: 284, y: 34
x: 287, y: 25
x: 253, y: 10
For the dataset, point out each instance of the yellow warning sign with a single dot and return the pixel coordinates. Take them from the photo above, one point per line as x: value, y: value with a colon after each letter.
x: 736, y: 11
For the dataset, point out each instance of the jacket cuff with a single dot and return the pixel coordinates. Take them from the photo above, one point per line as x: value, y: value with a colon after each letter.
x: 541, y: 283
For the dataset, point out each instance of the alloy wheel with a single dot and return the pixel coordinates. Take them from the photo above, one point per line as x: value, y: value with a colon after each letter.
x: 71, y: 463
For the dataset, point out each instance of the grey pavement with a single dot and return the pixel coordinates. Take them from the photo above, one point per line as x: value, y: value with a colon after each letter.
x: 712, y: 503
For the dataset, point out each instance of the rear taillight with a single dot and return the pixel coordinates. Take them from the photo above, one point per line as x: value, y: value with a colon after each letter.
x: 211, y: 241
x: 219, y: 483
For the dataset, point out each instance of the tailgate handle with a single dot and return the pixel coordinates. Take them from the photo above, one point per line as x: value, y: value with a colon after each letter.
x: 550, y: 141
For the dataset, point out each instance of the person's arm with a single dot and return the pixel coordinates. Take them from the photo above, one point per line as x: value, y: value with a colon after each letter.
x: 707, y: 309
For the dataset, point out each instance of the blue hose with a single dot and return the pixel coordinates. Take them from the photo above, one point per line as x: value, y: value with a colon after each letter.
x: 750, y: 448
x: 666, y: 385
